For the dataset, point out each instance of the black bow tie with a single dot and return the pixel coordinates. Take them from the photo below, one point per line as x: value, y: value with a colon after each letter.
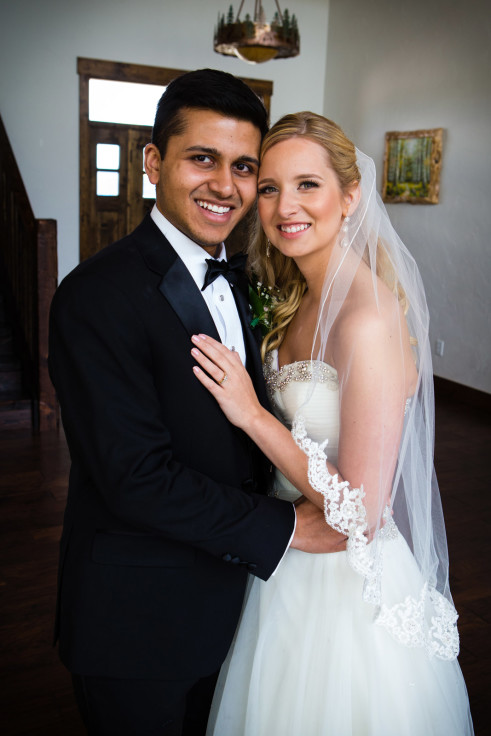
x: 233, y: 270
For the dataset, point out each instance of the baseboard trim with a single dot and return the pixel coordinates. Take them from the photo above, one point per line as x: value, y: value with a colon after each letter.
x: 445, y: 389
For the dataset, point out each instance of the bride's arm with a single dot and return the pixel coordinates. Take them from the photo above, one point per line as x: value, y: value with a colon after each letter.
x: 376, y: 372
x: 372, y: 391
x: 238, y: 400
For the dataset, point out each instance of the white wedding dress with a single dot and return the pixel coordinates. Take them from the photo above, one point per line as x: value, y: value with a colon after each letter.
x: 308, y: 659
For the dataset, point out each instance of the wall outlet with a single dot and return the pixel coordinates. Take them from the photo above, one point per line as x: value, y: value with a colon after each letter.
x: 439, y: 347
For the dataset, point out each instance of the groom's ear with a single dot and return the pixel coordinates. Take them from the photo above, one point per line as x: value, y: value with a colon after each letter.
x: 153, y: 163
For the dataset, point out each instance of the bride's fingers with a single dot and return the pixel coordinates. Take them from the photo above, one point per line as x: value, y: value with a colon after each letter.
x: 216, y: 371
x: 219, y: 354
x: 212, y: 386
x: 210, y: 341
x: 214, y: 350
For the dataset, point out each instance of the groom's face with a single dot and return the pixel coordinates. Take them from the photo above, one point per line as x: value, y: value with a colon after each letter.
x: 207, y: 180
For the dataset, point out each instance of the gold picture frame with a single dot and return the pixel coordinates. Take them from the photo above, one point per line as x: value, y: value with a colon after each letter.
x: 412, y: 163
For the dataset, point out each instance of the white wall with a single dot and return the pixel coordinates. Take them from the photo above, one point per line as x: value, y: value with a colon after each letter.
x: 425, y: 64
x: 39, y: 44
x: 386, y: 66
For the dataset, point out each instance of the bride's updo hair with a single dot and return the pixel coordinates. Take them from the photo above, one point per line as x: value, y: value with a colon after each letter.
x: 278, y: 271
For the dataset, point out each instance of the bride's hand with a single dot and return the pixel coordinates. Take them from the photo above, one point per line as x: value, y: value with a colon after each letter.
x: 223, y: 374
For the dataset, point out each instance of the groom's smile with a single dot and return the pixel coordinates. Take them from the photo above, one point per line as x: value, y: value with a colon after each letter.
x: 207, y: 181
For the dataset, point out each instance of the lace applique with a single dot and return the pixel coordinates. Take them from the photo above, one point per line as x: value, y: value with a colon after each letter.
x: 344, y: 510
x: 372, y: 589
x: 407, y: 623
x: 304, y: 370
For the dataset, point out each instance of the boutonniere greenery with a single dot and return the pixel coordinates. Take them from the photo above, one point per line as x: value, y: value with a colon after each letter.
x: 263, y: 300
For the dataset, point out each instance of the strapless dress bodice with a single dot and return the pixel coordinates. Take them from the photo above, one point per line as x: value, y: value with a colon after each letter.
x: 311, y: 388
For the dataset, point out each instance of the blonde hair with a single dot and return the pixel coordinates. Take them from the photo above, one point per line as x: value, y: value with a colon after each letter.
x: 282, y: 273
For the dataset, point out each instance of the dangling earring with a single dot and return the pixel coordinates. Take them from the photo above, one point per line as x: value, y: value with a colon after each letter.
x: 268, y: 248
x: 344, y: 229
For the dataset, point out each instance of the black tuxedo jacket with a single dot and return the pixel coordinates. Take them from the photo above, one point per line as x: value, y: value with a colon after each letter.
x: 166, y: 509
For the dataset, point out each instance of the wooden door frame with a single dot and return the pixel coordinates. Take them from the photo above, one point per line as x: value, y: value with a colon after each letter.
x: 122, y: 72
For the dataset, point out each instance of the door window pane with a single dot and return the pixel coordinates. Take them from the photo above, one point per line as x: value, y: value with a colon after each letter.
x: 107, y: 156
x: 107, y: 183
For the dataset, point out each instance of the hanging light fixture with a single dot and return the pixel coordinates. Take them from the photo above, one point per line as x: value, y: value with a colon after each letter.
x: 254, y: 40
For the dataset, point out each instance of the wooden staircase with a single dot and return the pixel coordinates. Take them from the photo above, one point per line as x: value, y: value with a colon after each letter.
x: 28, y: 276
x: 15, y: 406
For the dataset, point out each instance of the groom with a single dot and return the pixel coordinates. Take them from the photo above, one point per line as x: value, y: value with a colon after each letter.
x: 167, y: 511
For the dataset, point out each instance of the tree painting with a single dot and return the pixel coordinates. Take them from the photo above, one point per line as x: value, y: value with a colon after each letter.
x: 412, y: 165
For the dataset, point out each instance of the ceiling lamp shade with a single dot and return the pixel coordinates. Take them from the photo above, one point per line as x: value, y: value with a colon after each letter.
x: 254, y: 40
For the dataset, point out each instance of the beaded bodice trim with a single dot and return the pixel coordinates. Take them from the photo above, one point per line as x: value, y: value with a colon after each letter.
x: 303, y: 370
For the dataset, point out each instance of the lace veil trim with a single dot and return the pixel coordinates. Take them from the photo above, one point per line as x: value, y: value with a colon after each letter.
x: 408, y: 622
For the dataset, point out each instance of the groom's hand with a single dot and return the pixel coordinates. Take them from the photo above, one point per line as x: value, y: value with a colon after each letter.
x: 312, y: 533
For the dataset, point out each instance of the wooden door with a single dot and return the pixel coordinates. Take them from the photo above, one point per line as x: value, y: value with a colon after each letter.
x: 106, y: 217
x: 140, y: 198
x: 116, y: 195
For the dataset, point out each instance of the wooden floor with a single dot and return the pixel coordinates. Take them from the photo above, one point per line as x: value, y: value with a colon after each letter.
x: 35, y: 692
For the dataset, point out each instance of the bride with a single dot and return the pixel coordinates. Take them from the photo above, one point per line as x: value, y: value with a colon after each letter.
x: 361, y: 642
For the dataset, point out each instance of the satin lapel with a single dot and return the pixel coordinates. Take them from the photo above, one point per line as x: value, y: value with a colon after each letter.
x: 177, y: 285
x: 180, y: 290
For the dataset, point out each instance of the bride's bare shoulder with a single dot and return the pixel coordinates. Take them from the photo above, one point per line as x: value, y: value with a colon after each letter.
x: 371, y: 320
x: 370, y: 305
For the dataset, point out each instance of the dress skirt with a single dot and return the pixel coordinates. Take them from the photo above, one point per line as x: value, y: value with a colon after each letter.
x: 308, y: 660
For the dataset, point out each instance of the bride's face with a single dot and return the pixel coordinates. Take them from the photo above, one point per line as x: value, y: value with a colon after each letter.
x: 300, y: 202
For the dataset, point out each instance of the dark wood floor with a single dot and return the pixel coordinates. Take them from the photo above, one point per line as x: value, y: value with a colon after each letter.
x: 35, y: 692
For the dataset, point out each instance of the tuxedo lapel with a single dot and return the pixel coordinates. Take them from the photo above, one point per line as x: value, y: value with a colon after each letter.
x: 177, y: 284
x: 180, y: 290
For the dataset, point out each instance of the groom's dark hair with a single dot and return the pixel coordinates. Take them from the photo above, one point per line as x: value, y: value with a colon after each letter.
x: 205, y: 89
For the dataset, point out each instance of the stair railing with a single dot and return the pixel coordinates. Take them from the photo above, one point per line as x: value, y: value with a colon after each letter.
x: 28, y: 272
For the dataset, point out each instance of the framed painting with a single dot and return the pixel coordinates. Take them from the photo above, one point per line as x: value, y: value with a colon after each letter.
x: 412, y: 162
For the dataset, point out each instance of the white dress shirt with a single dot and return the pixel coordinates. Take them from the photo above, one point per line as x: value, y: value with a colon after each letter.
x: 218, y: 295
